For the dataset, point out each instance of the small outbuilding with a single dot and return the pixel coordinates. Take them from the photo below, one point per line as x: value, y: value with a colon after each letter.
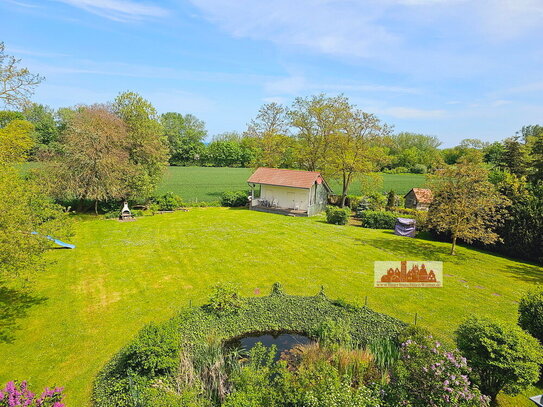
x: 418, y: 198
x: 290, y: 192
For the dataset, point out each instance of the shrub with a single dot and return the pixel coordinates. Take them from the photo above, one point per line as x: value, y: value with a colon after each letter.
x: 155, y: 352
x: 14, y: 394
x: 429, y: 375
x: 375, y: 201
x: 235, y: 198
x: 225, y: 298
x: 531, y: 313
x: 503, y: 357
x: 334, y: 333
x: 378, y: 219
x: 352, y: 201
x: 337, y: 216
x: 168, y: 202
x: 419, y: 169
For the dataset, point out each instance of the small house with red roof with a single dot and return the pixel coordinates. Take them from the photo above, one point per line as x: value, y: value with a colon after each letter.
x: 290, y: 192
x: 418, y: 198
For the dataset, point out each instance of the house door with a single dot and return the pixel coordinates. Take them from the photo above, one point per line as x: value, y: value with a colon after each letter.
x: 291, y: 197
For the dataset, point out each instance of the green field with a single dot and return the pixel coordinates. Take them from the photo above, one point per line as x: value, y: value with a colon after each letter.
x: 92, y: 300
x: 208, y: 183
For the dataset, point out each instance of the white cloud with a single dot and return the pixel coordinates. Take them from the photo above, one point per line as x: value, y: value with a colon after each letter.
x: 119, y: 10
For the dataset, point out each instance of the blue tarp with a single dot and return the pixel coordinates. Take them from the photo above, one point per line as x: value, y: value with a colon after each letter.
x: 405, y: 227
x: 58, y: 242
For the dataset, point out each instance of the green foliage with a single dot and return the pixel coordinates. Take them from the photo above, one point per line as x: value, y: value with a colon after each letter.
x: 531, y: 313
x: 374, y: 201
x: 155, y: 351
x: 260, y: 314
x: 419, y: 169
x: 277, y: 289
x: 502, y: 356
x: 235, y: 198
x: 334, y: 333
x: 427, y: 374
x: 25, y: 208
x: 225, y: 298
x: 185, y: 134
x: 378, y: 219
x: 168, y: 202
x: 337, y: 216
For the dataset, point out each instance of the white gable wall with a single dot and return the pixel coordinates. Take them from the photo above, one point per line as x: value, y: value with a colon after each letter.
x: 286, y: 197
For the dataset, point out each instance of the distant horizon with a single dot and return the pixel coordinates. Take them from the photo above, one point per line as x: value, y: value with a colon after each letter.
x: 454, y: 69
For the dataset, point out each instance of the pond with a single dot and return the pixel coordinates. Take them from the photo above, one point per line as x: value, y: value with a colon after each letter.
x: 282, y: 340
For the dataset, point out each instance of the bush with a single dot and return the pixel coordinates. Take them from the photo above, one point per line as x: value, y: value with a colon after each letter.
x: 18, y: 394
x: 375, y: 201
x: 225, y: 298
x: 429, y: 375
x: 531, y: 313
x: 378, y: 219
x: 235, y: 198
x: 352, y: 201
x: 419, y: 169
x: 337, y: 216
x: 503, y: 357
x: 334, y: 334
x: 168, y: 202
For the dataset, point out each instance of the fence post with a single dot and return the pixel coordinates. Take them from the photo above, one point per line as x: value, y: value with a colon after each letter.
x: 416, y: 315
x: 366, y: 301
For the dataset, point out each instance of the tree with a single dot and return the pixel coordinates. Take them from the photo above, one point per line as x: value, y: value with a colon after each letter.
x: 410, y: 149
x: 185, y: 134
x: 466, y: 205
x: 8, y: 115
x: 515, y: 157
x: 317, y: 119
x: 146, y: 143
x: 25, y: 208
x: 530, y: 311
x: 267, y: 136
x: 353, y: 150
x: 502, y: 356
x: 16, y: 84
x: 96, y: 163
x: 224, y: 153
x: 44, y: 121
x: 15, y: 141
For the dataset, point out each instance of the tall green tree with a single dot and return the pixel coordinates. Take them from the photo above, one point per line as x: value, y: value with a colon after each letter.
x: 354, y: 150
x: 96, y: 163
x: 43, y: 118
x: 268, y: 137
x: 317, y: 120
x: 24, y: 207
x: 146, y: 143
x: 185, y: 134
x: 465, y: 204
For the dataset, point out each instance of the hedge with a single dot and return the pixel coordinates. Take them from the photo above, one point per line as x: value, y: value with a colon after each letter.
x: 378, y: 219
x: 337, y: 216
x: 234, y: 198
x: 154, y: 354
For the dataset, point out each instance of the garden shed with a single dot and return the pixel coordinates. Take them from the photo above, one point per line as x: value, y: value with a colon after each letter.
x: 290, y: 192
x: 418, y: 198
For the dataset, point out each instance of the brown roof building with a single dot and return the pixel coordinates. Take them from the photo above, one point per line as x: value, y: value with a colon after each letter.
x: 294, y: 192
x: 419, y: 198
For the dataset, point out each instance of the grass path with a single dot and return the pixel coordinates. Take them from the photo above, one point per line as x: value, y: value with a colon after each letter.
x: 94, y: 299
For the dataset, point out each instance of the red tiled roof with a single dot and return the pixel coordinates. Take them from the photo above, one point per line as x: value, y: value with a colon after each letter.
x: 287, y: 178
x: 423, y: 195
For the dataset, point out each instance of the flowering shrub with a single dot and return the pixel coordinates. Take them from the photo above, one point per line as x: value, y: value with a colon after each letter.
x: 428, y: 375
x: 15, y: 394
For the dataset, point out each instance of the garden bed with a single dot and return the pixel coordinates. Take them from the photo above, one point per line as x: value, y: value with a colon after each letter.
x: 154, y: 355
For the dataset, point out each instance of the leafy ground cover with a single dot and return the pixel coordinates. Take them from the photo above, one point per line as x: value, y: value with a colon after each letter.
x: 93, y: 300
x: 159, y: 346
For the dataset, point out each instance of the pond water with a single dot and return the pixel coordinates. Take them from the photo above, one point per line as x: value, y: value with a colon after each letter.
x: 282, y: 340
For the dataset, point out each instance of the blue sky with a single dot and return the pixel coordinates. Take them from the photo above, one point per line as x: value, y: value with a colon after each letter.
x: 451, y: 68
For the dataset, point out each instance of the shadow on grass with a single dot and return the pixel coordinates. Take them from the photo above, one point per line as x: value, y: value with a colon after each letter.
x: 407, y: 249
x: 14, y: 305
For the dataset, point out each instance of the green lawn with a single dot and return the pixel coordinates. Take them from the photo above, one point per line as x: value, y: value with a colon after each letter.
x: 92, y: 300
x: 208, y: 183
